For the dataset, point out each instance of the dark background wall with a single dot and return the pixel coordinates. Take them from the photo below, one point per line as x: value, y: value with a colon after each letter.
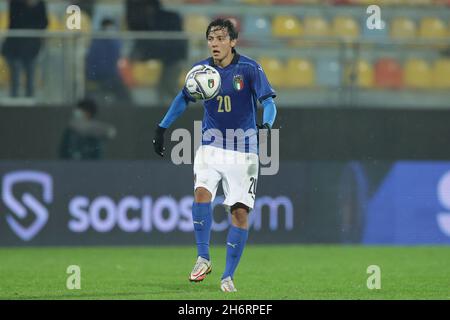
x: 306, y: 134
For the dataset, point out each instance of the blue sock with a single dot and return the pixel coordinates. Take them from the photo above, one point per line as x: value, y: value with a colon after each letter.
x: 236, y: 240
x: 202, y: 219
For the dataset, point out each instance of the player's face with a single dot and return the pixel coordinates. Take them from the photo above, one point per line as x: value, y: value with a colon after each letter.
x: 220, y: 45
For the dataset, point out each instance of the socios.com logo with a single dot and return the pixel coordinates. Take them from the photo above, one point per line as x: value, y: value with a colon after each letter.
x: 20, y: 209
x: 165, y: 214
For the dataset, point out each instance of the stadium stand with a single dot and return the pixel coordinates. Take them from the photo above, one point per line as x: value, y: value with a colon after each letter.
x: 293, y: 37
x: 146, y: 73
x: 4, y: 21
x: 361, y: 74
x: 54, y: 23
x: 329, y: 73
x: 432, y: 28
x: 257, y: 25
x: 403, y: 28
x: 300, y: 73
x: 388, y: 74
x: 316, y: 27
x: 345, y: 27
x: 417, y: 74
x: 274, y: 70
x: 286, y: 26
x: 441, y: 74
x: 4, y: 72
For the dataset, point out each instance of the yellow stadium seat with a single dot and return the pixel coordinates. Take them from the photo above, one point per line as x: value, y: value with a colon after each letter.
x: 147, y: 74
x: 441, y: 74
x: 300, y: 73
x: 86, y: 23
x: 345, y: 27
x: 315, y: 27
x: 4, y: 20
x: 308, y: 1
x: 286, y: 26
x: 364, y: 75
x: 385, y: 2
x: 432, y: 28
x: 257, y: 2
x: 366, y: 2
x: 195, y: 23
x: 417, y: 74
x: 418, y: 2
x: 54, y: 24
x: 274, y: 71
x: 4, y: 72
x: 403, y: 28
x: 391, y: 2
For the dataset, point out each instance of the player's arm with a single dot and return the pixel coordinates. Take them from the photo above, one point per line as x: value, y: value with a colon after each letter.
x: 265, y: 94
x: 177, y: 107
x: 269, y: 113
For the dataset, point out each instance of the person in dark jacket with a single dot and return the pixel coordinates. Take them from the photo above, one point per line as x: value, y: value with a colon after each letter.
x: 147, y: 15
x: 84, y: 137
x: 102, y: 66
x: 22, y: 52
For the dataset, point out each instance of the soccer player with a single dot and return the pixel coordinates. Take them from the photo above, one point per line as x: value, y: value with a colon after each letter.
x: 243, y: 84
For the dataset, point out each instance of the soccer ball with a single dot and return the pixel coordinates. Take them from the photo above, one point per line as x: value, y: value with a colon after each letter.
x: 203, y: 82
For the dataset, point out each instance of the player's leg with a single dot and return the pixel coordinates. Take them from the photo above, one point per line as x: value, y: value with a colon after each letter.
x: 202, y: 218
x: 205, y: 185
x: 239, y: 184
x: 236, y: 240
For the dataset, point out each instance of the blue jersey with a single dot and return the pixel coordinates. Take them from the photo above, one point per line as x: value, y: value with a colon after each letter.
x: 243, y: 84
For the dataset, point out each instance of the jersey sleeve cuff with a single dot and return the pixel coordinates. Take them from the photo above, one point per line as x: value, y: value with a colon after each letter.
x: 264, y: 97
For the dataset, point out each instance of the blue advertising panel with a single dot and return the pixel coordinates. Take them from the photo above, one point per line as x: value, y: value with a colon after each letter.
x: 126, y: 202
x: 149, y: 203
x: 411, y: 205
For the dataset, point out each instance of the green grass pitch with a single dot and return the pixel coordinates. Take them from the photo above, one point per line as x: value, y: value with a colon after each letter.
x: 265, y: 272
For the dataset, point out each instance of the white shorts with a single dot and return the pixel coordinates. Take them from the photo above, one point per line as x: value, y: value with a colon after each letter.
x: 237, y: 170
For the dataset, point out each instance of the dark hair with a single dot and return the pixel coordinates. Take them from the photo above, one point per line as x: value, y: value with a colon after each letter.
x: 88, y: 105
x: 221, y: 23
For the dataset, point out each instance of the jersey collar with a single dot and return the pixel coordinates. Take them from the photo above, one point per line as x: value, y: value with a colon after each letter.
x: 234, y: 61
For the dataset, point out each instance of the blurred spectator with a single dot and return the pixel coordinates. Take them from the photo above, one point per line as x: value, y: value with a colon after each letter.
x: 84, y: 137
x: 102, y: 66
x: 22, y: 52
x: 147, y: 15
